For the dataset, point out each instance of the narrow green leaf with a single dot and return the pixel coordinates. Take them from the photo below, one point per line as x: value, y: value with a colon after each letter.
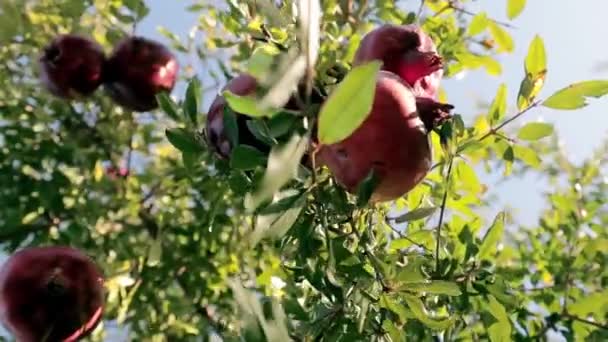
x: 166, y: 104
x: 500, y: 332
x: 499, y: 105
x: 527, y: 155
x: 515, y: 7
x: 245, y: 157
x: 275, y: 225
x: 183, y: 140
x: 497, y: 309
x: 534, y: 131
x: 574, y: 96
x: 439, y: 287
x: 421, y: 237
x: 529, y: 88
x: 478, y: 24
x: 536, y: 60
x: 247, y: 105
x: 192, y: 100
x: 416, y: 214
x: 231, y: 127
x: 419, y: 311
x: 366, y: 188
x: 503, y: 38
x: 282, y: 166
x: 492, y: 237
x: 349, y: 104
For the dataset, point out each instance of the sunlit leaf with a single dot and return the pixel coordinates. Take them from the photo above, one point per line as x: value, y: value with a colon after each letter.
x: 182, y: 140
x: 536, y: 60
x: 416, y: 214
x: 534, y: 131
x: 439, y: 287
x: 492, y: 237
x: 515, y: 7
x: 349, y: 104
x: 502, y: 37
x: 574, y: 96
x: 247, y: 105
x: 478, y: 24
x: 499, y: 105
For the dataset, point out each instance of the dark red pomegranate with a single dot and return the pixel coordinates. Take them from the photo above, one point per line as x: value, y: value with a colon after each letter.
x: 242, y: 85
x: 137, y: 71
x: 406, y: 51
x: 71, y: 66
x: 50, y: 294
x: 392, y: 141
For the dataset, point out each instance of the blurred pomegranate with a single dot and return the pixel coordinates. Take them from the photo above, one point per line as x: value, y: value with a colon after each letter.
x: 137, y: 70
x: 71, y: 66
x: 50, y: 294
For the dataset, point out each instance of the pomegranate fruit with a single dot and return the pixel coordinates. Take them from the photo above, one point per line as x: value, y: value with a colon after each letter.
x: 406, y: 51
x: 392, y: 141
x: 242, y: 85
x: 71, y: 66
x: 137, y: 70
x: 50, y: 294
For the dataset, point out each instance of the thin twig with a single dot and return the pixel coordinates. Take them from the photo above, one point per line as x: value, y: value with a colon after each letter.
x: 509, y: 120
x: 442, y: 212
x: 586, y: 321
x: 467, y: 12
x: 405, y: 237
x: 420, y: 8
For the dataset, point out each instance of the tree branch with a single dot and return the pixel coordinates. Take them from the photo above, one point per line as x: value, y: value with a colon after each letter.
x: 442, y: 212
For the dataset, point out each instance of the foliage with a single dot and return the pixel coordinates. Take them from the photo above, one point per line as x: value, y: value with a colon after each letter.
x: 262, y: 248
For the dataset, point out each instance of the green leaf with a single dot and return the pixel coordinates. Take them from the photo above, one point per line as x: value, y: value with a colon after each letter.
x: 467, y: 176
x: 503, y: 38
x: 573, y: 96
x: 183, y: 140
x: 245, y: 157
x: 282, y: 166
x: 167, y: 105
x: 534, y: 131
x: 420, y: 312
x: 247, y: 105
x: 231, y: 127
x: 536, y: 60
x: 421, y: 237
x: 527, y: 155
x: 492, y: 237
x: 478, y: 24
x: 439, y: 287
x: 499, y: 105
x: 275, y: 225
x: 515, y: 7
x: 529, y: 88
x: 501, y: 330
x: 349, y: 104
x: 416, y: 214
x: 366, y: 188
x: 192, y: 100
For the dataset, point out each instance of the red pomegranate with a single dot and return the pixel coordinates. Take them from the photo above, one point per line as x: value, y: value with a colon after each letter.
x: 71, y: 66
x: 406, y: 51
x: 242, y: 85
x: 392, y: 141
x: 50, y: 294
x: 138, y: 70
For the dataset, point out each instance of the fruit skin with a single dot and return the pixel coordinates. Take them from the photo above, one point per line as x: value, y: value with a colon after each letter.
x: 71, y: 66
x: 392, y: 140
x: 137, y: 70
x: 242, y: 85
x: 407, y: 51
x: 50, y: 290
